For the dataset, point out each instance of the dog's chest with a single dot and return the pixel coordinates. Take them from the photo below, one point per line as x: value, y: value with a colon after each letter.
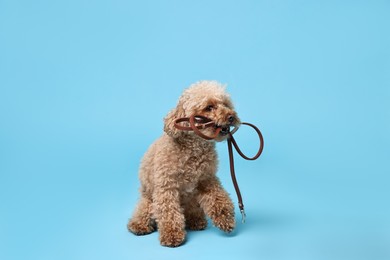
x: 193, y: 169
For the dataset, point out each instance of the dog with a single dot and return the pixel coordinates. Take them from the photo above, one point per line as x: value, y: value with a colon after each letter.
x: 179, y: 186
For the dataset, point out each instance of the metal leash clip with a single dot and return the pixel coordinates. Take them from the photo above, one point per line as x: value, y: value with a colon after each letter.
x: 243, y: 216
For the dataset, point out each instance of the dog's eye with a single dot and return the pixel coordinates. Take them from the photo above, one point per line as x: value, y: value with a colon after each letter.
x: 209, y: 108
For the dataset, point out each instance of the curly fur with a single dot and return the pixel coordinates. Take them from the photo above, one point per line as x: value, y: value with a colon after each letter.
x: 179, y: 186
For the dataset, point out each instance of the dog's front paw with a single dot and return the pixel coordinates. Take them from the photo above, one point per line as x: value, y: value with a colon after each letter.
x: 225, y: 220
x: 172, y: 237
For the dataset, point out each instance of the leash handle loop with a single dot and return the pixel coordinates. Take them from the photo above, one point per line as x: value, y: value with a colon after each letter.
x: 199, y: 133
x: 196, y: 123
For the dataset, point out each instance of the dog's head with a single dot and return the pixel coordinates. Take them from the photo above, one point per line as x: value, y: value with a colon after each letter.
x: 204, y: 98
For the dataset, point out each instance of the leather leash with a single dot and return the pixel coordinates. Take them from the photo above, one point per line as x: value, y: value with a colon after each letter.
x: 197, y: 123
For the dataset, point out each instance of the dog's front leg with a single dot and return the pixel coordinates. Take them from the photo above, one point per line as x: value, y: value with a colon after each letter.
x: 217, y: 204
x: 169, y: 216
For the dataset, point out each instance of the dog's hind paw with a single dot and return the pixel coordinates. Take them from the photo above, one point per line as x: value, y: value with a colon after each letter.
x: 140, y: 228
x: 197, y: 224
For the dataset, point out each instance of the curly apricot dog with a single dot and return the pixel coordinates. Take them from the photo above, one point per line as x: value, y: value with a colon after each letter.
x: 179, y: 186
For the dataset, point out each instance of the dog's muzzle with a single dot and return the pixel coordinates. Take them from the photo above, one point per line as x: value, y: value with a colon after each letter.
x: 225, y: 130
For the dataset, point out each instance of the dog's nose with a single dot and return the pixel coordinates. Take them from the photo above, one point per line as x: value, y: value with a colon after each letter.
x: 231, y: 119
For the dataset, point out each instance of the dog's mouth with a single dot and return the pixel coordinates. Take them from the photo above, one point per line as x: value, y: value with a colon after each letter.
x: 229, y: 126
x: 226, y: 129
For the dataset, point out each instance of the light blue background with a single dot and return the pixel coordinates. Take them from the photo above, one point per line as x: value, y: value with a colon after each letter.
x: 84, y: 86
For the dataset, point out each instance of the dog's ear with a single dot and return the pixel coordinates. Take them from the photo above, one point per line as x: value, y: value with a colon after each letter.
x: 169, y: 121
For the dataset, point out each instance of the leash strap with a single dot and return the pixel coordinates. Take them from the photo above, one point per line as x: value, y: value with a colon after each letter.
x: 231, y: 141
x: 196, y: 123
